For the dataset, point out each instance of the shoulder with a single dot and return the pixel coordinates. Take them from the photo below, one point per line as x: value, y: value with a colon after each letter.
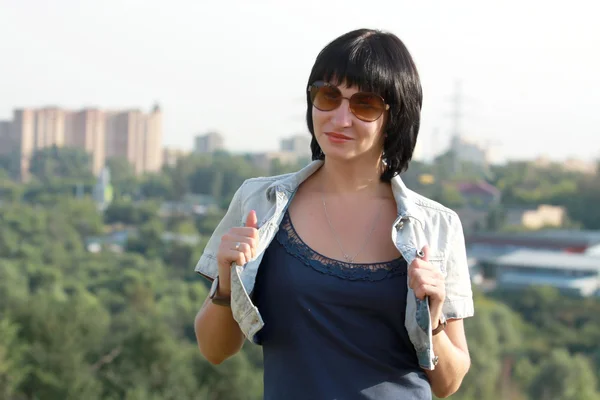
x: 261, y: 181
x: 260, y: 184
x: 441, y: 224
x: 286, y: 182
x: 431, y: 208
x: 258, y: 193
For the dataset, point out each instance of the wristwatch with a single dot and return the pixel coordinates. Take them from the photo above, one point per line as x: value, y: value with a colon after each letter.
x: 224, y: 301
x: 441, y: 326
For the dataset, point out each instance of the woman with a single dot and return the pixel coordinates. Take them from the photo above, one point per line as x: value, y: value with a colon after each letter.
x: 354, y: 285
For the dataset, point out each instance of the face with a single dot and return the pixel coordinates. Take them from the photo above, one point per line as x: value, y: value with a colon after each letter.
x: 343, y: 135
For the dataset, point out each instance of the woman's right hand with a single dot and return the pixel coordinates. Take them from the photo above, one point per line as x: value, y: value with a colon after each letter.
x: 237, y: 245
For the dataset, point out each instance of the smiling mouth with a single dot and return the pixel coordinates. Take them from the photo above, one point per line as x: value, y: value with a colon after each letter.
x: 338, y: 135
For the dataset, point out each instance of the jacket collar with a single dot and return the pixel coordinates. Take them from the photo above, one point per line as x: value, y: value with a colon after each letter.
x: 290, y: 182
x: 407, y: 207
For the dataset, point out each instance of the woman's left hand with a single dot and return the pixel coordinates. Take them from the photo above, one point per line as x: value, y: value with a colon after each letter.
x: 427, y: 280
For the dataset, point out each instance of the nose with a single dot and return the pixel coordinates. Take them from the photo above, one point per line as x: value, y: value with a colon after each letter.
x: 342, y: 116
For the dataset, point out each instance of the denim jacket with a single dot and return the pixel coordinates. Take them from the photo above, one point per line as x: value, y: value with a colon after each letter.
x: 420, y: 221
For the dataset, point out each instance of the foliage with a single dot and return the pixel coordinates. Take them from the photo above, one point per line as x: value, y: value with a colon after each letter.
x: 110, y: 325
x: 76, y: 325
x: 122, y: 178
x: 51, y: 163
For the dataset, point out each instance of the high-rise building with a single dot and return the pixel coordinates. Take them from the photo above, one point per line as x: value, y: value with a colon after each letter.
x: 153, y: 150
x: 136, y: 137
x: 209, y: 143
x: 128, y: 133
x: 24, y: 138
x: 86, y: 129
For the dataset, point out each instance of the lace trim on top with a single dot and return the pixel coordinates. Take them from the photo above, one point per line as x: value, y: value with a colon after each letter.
x: 293, y: 244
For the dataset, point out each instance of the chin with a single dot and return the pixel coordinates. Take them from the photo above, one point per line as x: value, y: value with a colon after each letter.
x: 340, y: 156
x: 337, y: 153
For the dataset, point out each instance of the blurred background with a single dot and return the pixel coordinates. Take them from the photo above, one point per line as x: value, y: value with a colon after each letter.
x: 126, y: 127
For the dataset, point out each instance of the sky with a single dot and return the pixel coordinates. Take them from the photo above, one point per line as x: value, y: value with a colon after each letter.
x: 528, y: 70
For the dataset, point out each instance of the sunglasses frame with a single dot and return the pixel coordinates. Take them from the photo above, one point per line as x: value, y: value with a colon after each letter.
x: 321, y: 84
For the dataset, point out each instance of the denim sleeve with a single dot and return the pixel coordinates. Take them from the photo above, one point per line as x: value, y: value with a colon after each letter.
x: 459, y: 295
x: 207, y: 265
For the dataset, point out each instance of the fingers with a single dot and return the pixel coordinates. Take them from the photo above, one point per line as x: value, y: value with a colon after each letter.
x: 432, y: 291
x: 241, y: 244
x: 230, y: 252
x: 237, y: 256
x: 244, y: 232
x: 425, y: 280
x: 252, y: 220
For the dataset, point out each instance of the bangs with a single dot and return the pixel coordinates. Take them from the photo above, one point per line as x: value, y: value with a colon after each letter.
x: 363, y: 63
x: 379, y: 62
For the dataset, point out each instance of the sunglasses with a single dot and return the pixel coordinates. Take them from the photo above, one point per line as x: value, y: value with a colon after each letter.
x: 365, y: 106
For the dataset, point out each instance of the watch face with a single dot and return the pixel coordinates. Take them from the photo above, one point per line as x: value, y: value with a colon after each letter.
x: 436, y: 359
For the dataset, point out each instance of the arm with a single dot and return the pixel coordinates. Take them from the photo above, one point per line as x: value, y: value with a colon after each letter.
x: 217, y: 333
x: 451, y: 296
x: 451, y: 347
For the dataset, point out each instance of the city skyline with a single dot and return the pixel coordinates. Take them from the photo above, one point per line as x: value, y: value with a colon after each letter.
x: 527, y: 71
x: 131, y: 133
x: 103, y: 134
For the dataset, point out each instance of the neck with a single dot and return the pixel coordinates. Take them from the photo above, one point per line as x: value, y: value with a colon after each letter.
x: 357, y: 176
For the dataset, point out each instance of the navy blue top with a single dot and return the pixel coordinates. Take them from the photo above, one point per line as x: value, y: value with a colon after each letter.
x: 333, y: 330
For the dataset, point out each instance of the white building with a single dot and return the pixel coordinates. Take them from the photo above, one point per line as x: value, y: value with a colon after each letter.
x: 570, y: 273
x: 297, y: 144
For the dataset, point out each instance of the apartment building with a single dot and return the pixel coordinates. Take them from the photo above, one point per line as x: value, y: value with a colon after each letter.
x: 132, y: 134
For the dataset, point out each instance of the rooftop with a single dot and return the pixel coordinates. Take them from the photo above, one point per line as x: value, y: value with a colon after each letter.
x: 478, y: 188
x: 585, y: 286
x: 559, y: 237
x: 549, y: 260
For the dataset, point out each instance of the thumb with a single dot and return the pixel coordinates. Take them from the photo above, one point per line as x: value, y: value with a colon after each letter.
x: 252, y: 220
x: 424, y: 253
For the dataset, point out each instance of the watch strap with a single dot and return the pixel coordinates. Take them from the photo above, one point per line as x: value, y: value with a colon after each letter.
x: 216, y: 298
x: 441, y: 326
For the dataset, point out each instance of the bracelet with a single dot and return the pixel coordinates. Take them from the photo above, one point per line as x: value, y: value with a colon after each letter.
x: 441, y: 326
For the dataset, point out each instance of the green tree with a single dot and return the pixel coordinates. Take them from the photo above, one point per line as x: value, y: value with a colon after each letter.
x: 13, y: 367
x: 157, y: 186
x: 11, y: 164
x: 62, y: 332
x: 149, y: 241
x: 51, y: 163
x: 450, y: 196
x: 496, y: 218
x: 493, y: 342
x: 122, y: 177
x: 564, y: 377
x: 130, y: 213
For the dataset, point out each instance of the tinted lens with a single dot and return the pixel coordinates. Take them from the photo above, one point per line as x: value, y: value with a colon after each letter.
x: 325, y: 98
x: 367, y: 106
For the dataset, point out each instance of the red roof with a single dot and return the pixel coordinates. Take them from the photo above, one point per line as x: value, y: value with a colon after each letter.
x: 478, y: 188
